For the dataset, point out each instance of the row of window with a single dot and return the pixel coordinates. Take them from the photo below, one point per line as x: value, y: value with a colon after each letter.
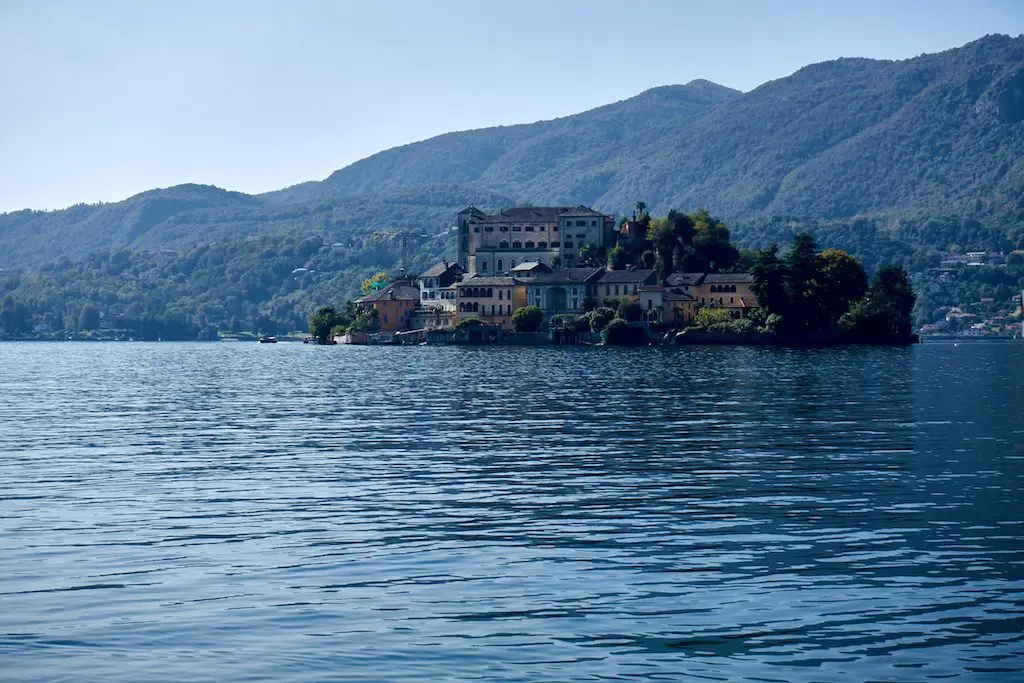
x: 443, y: 294
x: 625, y: 289
x: 475, y: 307
x: 529, y: 244
x: 723, y: 288
x: 721, y: 300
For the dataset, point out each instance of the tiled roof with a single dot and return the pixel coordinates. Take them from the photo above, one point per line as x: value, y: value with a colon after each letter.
x: 439, y: 269
x: 672, y: 294
x: 627, y: 276
x: 535, y: 214
x: 719, y: 278
x: 492, y: 281
x: 400, y: 290
x: 679, y: 279
x: 527, y: 266
x: 566, y: 276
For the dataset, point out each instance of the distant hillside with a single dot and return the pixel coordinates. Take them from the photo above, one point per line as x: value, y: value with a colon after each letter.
x: 937, y: 134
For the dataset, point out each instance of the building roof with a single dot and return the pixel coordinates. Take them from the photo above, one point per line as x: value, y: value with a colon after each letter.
x: 489, y: 281
x: 719, y: 278
x: 680, y: 279
x: 529, y: 267
x: 535, y: 214
x: 568, y: 276
x: 399, y: 290
x: 440, y: 269
x: 674, y: 294
x: 627, y: 276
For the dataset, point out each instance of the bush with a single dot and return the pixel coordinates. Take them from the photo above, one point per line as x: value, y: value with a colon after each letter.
x: 527, y: 319
x: 468, y: 322
x: 599, y: 318
x: 569, y: 321
x: 616, y: 332
x: 630, y: 311
x: 707, y: 316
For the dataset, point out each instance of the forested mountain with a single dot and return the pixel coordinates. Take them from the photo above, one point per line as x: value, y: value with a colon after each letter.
x: 893, y: 160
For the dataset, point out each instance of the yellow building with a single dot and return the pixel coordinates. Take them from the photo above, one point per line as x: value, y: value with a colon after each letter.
x: 685, y: 293
x: 491, y: 299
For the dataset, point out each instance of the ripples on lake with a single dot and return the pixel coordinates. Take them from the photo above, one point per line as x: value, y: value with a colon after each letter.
x: 231, y: 512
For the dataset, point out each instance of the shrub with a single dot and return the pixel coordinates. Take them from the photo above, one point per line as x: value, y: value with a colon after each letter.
x: 527, y: 319
x: 630, y: 311
x: 599, y: 318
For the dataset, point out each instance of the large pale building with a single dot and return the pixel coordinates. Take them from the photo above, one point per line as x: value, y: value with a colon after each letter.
x: 492, y: 244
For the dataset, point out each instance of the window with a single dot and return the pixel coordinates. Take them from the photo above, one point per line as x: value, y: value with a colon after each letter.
x: 490, y: 293
x: 529, y: 244
x: 634, y: 289
x: 502, y: 245
x: 574, y: 291
x: 616, y: 290
x: 607, y: 290
x: 512, y: 263
x: 517, y: 245
x: 492, y: 309
x: 503, y: 228
x: 501, y: 295
x: 476, y: 228
x: 489, y: 228
x: 554, y: 228
x: 528, y: 228
x: 499, y: 260
x: 593, y: 223
x: 580, y: 224
x: 581, y: 236
x: 542, y: 245
x: 568, y: 244
x: 555, y: 244
x: 517, y: 228
x: 483, y: 267
x: 732, y: 299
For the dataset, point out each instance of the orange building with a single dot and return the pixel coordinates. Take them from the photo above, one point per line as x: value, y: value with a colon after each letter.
x: 394, y: 304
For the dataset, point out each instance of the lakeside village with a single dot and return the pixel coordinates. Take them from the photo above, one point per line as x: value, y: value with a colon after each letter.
x: 572, y: 275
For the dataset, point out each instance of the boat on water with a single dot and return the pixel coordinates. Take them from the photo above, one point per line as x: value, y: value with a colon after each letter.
x: 268, y: 340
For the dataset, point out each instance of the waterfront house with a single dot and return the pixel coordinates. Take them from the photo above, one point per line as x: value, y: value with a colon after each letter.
x: 563, y: 291
x: 624, y: 285
x: 721, y: 290
x: 394, y: 303
x: 436, y: 286
x: 492, y: 299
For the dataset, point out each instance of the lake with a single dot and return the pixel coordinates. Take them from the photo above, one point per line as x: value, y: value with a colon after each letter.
x: 191, y: 512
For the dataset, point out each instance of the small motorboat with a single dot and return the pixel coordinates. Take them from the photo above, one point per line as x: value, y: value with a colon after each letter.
x: 268, y: 340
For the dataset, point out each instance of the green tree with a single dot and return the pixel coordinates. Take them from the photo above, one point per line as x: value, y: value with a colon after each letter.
x: 527, y: 319
x: 769, y: 285
x: 89, y: 318
x: 617, y: 258
x: 883, y: 315
x: 841, y: 281
x: 630, y: 311
x: 599, y: 318
x: 323, y: 321
x: 375, y: 282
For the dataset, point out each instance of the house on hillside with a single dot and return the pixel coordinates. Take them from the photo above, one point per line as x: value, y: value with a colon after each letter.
x: 491, y: 299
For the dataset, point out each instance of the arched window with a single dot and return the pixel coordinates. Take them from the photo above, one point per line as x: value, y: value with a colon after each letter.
x: 542, y: 245
x: 512, y: 263
x: 499, y: 266
x: 733, y: 288
x: 462, y: 306
x: 483, y: 267
x: 475, y: 306
x: 503, y: 245
x: 490, y: 292
x: 517, y: 245
x: 529, y: 244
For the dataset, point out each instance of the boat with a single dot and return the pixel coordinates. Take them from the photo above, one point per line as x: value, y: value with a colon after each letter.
x: 268, y: 340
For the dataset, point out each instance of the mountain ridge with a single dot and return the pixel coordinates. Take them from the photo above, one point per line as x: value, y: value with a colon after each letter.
x: 941, y: 132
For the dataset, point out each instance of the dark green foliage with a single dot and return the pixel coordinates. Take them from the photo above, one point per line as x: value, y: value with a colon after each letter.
x: 599, y: 318
x: 630, y: 311
x: 527, y: 319
x: 884, y: 315
x: 571, y: 322
x: 324, y: 321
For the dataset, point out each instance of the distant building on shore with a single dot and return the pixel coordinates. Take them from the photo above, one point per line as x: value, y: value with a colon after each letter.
x: 493, y: 244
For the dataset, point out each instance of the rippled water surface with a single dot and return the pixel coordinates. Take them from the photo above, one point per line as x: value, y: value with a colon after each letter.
x: 180, y: 512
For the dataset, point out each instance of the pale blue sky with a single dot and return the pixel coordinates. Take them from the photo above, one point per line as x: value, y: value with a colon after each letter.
x: 102, y: 99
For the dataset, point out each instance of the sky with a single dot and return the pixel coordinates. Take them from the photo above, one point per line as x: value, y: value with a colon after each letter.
x: 102, y: 99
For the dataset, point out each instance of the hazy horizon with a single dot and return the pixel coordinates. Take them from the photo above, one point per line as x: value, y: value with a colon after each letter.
x: 112, y: 99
